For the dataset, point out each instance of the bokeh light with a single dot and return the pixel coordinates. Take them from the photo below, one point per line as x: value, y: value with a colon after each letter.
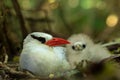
x: 112, y: 20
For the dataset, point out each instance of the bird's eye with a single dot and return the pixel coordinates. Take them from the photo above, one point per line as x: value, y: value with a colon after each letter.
x: 73, y: 47
x: 41, y: 39
x: 84, y: 46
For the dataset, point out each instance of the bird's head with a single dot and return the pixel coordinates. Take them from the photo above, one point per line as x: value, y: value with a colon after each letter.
x: 45, y: 38
x: 79, y: 42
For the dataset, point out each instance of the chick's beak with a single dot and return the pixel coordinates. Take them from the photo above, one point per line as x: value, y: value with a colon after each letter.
x: 57, y: 42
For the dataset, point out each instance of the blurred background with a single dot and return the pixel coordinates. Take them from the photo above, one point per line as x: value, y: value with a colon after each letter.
x: 97, y: 18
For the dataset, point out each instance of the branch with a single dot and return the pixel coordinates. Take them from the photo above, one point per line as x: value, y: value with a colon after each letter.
x: 64, y: 20
x: 20, y: 17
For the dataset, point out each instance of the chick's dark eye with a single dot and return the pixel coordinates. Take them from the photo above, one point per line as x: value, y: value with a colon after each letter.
x: 73, y: 47
x: 84, y: 46
x: 41, y: 39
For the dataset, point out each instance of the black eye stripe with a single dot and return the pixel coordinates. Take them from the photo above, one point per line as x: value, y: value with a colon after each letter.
x: 41, y: 39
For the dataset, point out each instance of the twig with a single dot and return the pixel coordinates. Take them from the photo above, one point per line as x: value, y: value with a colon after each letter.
x: 6, y: 56
x: 6, y: 43
x: 20, y: 16
x: 110, y: 44
x: 48, y: 23
x: 63, y: 19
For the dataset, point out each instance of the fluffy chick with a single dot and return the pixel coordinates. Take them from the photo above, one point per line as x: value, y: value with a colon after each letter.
x: 82, y: 48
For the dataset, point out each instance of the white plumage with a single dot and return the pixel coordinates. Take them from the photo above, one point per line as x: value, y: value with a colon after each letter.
x: 82, y: 48
x: 41, y: 59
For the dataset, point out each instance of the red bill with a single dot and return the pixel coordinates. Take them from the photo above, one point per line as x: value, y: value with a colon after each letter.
x: 57, y: 42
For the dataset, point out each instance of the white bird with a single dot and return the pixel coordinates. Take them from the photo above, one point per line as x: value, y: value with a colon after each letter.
x: 82, y: 49
x: 42, y: 54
